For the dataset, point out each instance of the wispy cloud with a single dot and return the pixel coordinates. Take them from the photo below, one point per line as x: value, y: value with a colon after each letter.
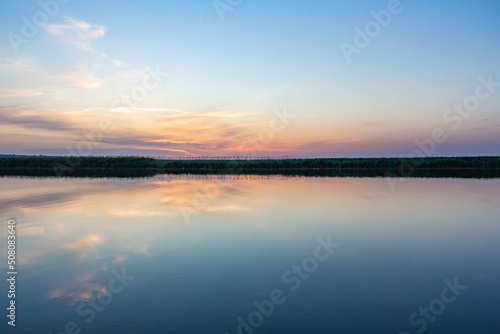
x: 6, y: 93
x: 17, y: 66
x: 82, y: 79
x: 42, y: 79
x: 78, y: 32
x: 13, y: 115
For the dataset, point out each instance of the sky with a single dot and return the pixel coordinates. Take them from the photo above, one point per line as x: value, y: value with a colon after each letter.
x: 250, y: 78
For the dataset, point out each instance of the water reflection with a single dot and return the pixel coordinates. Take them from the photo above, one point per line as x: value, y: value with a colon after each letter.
x: 243, y: 233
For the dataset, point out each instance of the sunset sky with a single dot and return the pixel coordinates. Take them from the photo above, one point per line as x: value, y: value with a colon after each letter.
x: 262, y: 77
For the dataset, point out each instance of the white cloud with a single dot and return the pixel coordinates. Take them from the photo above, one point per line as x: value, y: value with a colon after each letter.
x: 80, y: 33
x: 6, y: 93
x: 82, y: 29
x: 82, y: 79
x: 17, y: 66
x: 77, y: 32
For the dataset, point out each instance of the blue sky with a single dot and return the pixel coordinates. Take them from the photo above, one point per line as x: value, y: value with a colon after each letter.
x: 227, y: 76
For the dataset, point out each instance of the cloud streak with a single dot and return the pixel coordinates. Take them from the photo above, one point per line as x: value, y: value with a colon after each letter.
x: 77, y: 31
x: 10, y: 115
x: 80, y: 33
x: 6, y: 93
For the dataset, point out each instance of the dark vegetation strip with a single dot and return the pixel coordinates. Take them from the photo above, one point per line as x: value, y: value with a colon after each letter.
x: 462, y: 167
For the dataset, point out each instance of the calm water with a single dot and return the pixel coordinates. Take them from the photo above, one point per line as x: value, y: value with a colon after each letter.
x: 185, y: 254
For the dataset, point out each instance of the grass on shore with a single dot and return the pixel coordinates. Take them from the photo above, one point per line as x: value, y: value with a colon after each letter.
x: 480, y: 167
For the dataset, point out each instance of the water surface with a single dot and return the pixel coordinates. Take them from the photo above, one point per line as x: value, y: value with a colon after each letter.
x: 191, y: 254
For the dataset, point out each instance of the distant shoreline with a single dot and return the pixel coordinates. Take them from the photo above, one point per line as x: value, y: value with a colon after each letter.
x: 46, y: 166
